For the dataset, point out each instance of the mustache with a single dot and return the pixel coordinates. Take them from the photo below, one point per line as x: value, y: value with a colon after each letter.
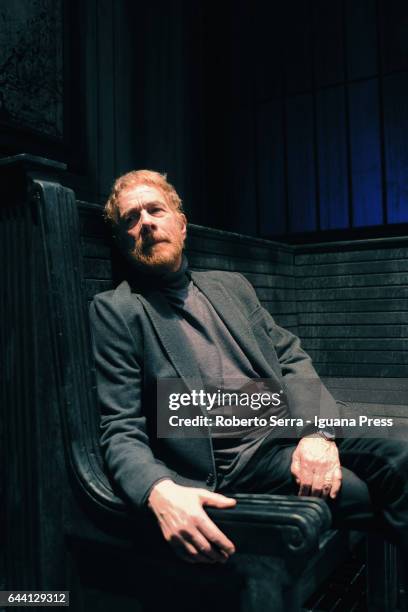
x: 150, y: 239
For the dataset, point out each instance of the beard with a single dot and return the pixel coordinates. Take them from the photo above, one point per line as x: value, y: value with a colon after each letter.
x: 157, y: 254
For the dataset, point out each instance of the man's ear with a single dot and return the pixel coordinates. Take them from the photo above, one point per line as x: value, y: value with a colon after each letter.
x: 183, y: 222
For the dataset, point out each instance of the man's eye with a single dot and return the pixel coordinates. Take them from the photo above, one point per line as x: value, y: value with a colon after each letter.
x: 131, y: 220
x: 156, y: 211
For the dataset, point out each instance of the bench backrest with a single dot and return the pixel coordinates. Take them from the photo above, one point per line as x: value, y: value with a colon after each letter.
x: 347, y: 301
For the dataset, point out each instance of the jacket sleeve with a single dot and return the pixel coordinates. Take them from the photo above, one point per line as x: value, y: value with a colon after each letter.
x: 124, y: 439
x: 307, y: 396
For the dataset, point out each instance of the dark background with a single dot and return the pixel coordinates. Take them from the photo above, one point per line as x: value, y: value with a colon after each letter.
x: 280, y: 119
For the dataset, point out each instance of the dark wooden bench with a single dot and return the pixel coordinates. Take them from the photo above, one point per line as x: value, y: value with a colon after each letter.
x: 65, y: 526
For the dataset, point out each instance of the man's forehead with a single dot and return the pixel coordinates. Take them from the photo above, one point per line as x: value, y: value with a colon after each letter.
x: 139, y: 196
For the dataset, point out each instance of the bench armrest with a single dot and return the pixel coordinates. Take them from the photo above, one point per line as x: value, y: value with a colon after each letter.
x: 268, y: 524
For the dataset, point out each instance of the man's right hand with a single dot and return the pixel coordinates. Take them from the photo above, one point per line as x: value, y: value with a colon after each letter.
x: 185, y: 524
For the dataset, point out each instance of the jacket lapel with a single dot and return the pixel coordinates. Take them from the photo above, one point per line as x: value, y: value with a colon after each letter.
x: 178, y: 351
x: 168, y: 330
x: 235, y: 322
x: 183, y: 360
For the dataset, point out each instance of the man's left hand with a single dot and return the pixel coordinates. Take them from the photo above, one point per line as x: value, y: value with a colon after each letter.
x: 316, y: 467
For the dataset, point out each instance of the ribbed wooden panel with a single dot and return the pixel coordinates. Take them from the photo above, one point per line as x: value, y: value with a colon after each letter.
x: 352, y: 308
x: 18, y: 417
x: 29, y: 407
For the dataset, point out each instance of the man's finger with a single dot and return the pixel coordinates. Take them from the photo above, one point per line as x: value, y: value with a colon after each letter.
x: 295, y: 467
x: 326, y: 488
x: 215, y: 536
x: 306, y: 479
x: 204, y: 547
x: 217, y: 500
x: 321, y: 484
x: 189, y: 553
x: 337, y: 478
x: 305, y: 490
x: 317, y: 487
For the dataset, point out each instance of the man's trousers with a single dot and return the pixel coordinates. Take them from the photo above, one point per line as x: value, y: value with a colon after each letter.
x: 374, y: 488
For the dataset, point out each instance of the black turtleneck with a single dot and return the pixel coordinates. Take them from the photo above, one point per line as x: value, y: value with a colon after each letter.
x: 173, y: 283
x: 220, y: 360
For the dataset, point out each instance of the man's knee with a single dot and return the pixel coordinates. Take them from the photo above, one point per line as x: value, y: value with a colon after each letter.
x: 352, y: 507
x: 370, y: 456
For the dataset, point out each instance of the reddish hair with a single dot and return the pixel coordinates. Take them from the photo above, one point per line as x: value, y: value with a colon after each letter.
x: 133, y: 179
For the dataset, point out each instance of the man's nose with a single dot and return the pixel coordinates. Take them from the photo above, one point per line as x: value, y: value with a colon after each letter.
x: 147, y: 222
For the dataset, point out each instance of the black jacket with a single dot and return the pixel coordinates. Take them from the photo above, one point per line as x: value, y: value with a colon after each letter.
x: 136, y: 341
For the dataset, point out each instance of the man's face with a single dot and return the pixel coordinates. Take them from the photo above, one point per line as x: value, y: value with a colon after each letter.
x: 151, y: 232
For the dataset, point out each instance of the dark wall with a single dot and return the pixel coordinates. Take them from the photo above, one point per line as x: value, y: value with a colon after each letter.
x: 332, y: 122
x: 273, y: 119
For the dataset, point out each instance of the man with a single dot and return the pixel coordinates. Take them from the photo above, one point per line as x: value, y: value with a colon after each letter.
x: 165, y: 322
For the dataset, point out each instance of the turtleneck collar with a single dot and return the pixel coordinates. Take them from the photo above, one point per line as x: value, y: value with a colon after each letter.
x: 166, y: 282
x: 175, y: 280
